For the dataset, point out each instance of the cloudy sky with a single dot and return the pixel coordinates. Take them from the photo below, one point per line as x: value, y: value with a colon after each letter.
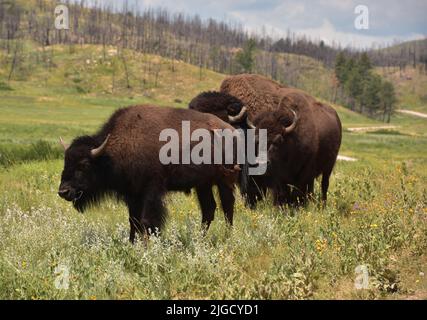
x: 328, y: 20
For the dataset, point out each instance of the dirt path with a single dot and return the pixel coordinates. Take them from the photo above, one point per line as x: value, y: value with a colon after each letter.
x: 345, y: 158
x: 367, y: 129
x: 413, y: 113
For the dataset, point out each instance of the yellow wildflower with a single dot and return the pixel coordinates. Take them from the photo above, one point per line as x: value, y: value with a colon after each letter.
x: 321, y: 245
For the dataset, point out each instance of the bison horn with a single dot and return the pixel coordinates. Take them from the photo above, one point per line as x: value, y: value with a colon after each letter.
x: 250, y: 124
x: 293, y: 125
x: 63, y: 144
x: 239, y: 117
x: 98, y: 151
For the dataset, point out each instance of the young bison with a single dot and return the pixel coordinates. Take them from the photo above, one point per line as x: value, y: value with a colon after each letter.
x: 122, y: 160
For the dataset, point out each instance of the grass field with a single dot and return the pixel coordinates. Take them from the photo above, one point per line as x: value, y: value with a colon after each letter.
x: 376, y: 214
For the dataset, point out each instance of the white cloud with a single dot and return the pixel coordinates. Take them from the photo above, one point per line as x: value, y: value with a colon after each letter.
x: 330, y: 20
x: 340, y: 4
x: 329, y: 34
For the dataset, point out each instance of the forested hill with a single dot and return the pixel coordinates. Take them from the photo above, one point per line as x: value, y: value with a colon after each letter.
x: 209, y: 43
x: 205, y: 44
x: 407, y: 54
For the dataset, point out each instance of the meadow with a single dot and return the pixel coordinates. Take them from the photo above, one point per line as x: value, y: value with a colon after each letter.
x: 376, y: 214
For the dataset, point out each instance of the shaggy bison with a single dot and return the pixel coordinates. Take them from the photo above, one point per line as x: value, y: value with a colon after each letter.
x: 304, y: 136
x: 122, y: 160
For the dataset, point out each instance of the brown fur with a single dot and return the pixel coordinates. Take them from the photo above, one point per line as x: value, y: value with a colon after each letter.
x: 296, y: 159
x: 258, y: 93
x: 131, y: 170
x: 312, y: 148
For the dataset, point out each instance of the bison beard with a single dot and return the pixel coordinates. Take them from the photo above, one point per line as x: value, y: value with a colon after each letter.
x: 122, y: 161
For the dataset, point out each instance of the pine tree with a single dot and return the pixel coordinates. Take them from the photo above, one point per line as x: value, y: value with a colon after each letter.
x: 364, y: 64
x: 341, y: 68
x: 246, y: 57
x: 370, y: 97
x: 388, y: 100
x: 353, y: 85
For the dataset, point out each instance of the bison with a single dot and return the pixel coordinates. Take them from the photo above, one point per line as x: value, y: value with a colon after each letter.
x: 122, y: 160
x: 310, y: 134
x: 303, y: 142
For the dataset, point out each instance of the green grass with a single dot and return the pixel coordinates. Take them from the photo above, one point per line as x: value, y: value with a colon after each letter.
x: 11, y: 154
x: 268, y: 254
x: 46, y: 102
x: 376, y: 213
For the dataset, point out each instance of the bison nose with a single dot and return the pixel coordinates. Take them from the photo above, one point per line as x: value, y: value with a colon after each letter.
x: 64, y: 193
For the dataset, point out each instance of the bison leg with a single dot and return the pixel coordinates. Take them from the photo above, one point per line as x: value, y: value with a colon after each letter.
x: 226, y: 194
x: 325, y: 186
x: 281, y: 195
x: 135, y: 213
x: 154, y: 212
x: 304, y: 192
x: 254, y: 193
x: 207, y: 204
x: 248, y: 188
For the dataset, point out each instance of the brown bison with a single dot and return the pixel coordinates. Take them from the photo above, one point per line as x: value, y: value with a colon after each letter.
x: 309, y: 140
x: 304, y: 138
x: 122, y: 160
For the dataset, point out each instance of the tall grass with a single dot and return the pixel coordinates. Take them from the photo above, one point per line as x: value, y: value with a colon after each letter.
x: 270, y: 253
x: 11, y: 154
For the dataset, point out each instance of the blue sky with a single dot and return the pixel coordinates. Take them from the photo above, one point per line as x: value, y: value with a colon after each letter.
x: 328, y: 20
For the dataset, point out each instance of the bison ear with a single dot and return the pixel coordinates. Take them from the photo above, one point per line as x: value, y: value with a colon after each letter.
x: 100, y: 150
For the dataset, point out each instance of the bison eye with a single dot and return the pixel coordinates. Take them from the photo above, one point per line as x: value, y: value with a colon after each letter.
x: 78, y: 174
x: 232, y: 108
x: 84, y: 164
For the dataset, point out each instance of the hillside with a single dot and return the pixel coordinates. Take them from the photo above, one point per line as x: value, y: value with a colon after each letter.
x: 59, y: 77
x: 86, y: 80
x: 93, y: 79
x: 305, y: 73
x: 206, y: 42
x: 401, y: 54
x: 410, y: 85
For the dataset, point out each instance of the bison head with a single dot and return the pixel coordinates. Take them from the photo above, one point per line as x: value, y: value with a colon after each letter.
x: 80, y: 180
x: 279, y: 125
x: 225, y: 106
